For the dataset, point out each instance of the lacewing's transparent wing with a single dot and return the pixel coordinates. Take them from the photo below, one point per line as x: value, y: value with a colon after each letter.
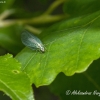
x: 32, y: 41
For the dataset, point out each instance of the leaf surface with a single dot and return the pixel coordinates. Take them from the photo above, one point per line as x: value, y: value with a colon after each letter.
x: 71, y: 46
x: 13, y: 82
x: 84, y: 86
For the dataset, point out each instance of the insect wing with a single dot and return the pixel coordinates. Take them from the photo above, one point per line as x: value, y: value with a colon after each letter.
x: 30, y: 40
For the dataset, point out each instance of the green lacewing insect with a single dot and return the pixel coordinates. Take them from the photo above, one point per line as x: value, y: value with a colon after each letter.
x: 31, y: 41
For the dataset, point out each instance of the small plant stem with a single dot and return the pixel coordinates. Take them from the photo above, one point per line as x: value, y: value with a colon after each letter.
x: 6, y: 13
x: 33, y: 29
x: 53, y: 6
x: 44, y: 19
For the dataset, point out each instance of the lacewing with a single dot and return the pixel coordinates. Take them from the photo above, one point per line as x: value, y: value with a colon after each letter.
x: 31, y: 41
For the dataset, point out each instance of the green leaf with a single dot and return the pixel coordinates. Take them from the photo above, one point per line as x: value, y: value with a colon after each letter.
x: 88, y: 81
x: 81, y: 7
x: 71, y: 47
x: 13, y: 82
x: 10, y: 38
